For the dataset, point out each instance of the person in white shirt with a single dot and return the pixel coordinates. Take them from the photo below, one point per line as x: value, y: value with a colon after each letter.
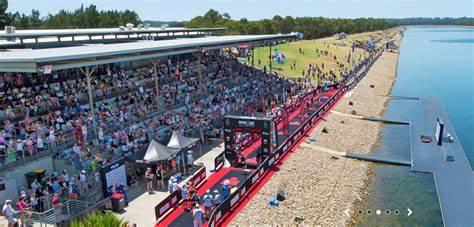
x: 83, y: 179
x: 33, y: 201
x: 39, y: 143
x: 189, y: 161
x: 170, y: 184
x: 65, y: 176
x: 207, y: 202
x: 175, y: 186
x: 9, y: 212
x: 19, y: 147
x: 197, y: 215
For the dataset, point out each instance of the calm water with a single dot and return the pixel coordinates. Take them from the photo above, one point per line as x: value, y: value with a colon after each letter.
x: 434, y: 61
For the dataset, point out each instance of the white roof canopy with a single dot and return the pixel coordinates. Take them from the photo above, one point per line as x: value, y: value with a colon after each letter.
x: 29, y: 34
x: 30, y: 60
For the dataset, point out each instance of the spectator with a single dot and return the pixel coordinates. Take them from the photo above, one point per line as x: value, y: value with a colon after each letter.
x: 56, y: 207
x: 190, y: 161
x: 207, y: 202
x: 198, y: 215
x: 9, y: 213
x: 217, y: 198
x: 159, y: 178
x: 149, y: 180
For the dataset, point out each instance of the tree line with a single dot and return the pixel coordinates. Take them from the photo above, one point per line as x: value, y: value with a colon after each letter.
x: 311, y: 27
x: 83, y: 17
x: 467, y: 21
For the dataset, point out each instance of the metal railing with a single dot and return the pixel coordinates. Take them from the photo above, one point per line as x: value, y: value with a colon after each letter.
x: 68, y: 210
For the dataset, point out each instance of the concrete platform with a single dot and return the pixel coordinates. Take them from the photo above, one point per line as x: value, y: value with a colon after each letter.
x: 369, y: 158
x: 454, y: 179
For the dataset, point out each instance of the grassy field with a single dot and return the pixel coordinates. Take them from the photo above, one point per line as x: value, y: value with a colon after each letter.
x: 340, y: 48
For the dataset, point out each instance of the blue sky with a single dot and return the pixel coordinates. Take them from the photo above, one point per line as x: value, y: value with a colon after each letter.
x: 257, y: 9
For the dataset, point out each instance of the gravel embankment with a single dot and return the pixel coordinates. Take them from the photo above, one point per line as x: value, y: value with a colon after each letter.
x: 319, y: 187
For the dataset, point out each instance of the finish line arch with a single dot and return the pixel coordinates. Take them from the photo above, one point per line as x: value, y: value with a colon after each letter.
x: 262, y: 127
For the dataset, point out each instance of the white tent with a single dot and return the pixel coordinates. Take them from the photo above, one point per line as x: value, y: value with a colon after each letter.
x: 178, y: 141
x: 157, y: 152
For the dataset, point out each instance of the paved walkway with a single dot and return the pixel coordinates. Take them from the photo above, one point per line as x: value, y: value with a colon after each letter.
x: 141, y: 208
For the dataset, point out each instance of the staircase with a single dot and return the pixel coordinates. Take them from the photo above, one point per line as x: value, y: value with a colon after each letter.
x: 70, y: 209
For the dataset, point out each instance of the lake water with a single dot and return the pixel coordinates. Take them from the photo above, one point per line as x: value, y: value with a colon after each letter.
x: 434, y: 61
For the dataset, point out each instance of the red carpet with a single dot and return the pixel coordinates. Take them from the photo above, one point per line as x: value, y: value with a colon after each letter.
x: 214, y: 179
x: 231, y: 215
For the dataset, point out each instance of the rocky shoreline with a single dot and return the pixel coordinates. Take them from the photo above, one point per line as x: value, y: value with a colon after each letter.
x: 320, y: 186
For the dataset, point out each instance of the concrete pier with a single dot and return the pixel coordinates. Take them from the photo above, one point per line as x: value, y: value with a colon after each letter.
x: 391, y: 161
x: 454, y: 178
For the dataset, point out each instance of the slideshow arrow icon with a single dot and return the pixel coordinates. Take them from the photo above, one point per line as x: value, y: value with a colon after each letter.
x: 346, y: 212
x: 409, y: 212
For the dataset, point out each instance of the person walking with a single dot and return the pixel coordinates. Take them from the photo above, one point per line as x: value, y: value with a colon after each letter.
x: 149, y: 178
x: 207, y: 202
x: 56, y: 207
x: 83, y: 180
x: 197, y: 215
x: 226, y: 189
x: 217, y: 198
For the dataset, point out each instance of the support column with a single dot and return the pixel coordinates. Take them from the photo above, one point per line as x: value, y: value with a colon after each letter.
x: 270, y: 58
x: 88, y: 73
x: 154, y: 63
x: 253, y: 56
x: 199, y: 62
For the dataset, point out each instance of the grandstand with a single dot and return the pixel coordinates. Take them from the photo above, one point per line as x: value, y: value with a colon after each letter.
x: 81, y: 107
x: 47, y: 38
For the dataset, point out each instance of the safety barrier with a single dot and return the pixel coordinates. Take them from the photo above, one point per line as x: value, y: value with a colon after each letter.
x: 173, y: 199
x: 230, y: 202
x: 167, y: 204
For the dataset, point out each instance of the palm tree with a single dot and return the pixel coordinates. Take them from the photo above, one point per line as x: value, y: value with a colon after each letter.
x: 98, y: 219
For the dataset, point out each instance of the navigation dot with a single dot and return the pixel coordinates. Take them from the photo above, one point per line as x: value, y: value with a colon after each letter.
x: 369, y: 212
x: 396, y: 212
x: 387, y: 212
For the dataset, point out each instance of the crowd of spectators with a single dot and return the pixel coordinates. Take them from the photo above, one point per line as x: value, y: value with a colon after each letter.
x: 52, y: 112
x: 41, y: 112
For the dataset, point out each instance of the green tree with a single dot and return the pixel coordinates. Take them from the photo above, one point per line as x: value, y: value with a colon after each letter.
x: 100, y: 220
x: 3, y: 13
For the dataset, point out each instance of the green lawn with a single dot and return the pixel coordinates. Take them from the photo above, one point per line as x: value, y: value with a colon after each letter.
x: 340, y: 49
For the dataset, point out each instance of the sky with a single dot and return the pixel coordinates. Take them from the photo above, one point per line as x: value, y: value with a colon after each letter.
x: 179, y: 10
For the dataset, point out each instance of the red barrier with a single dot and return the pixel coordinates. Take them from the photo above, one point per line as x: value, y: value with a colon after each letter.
x: 232, y: 200
x: 167, y: 204
x: 199, y: 177
x: 173, y: 200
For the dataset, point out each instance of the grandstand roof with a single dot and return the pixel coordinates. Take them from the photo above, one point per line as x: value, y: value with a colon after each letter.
x: 31, y: 34
x: 29, y: 60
